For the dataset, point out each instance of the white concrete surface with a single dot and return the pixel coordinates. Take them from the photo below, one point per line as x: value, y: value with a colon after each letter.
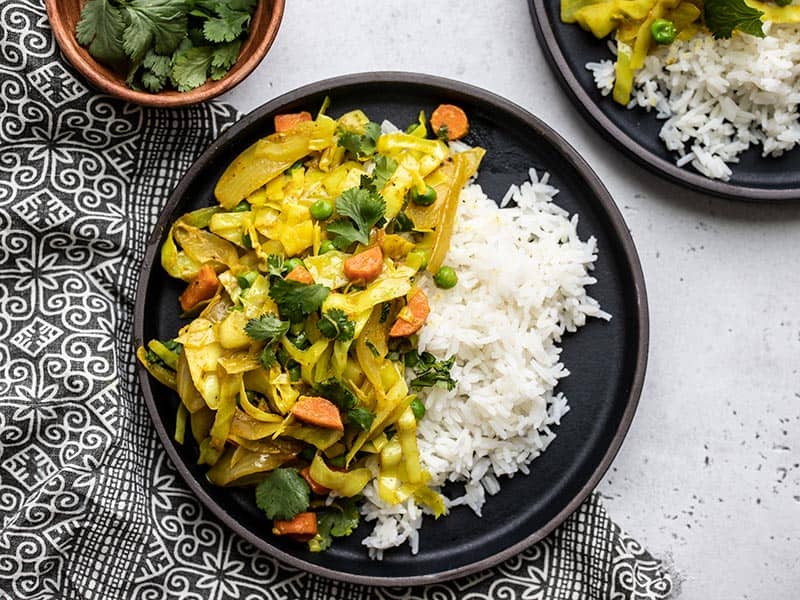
x: 709, y: 475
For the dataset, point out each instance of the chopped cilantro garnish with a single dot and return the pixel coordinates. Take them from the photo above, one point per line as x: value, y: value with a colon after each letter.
x: 384, y: 169
x: 283, y: 494
x: 338, y: 520
x: 266, y: 328
x: 359, y: 210
x: 361, y: 417
x: 723, y: 16
x: 297, y: 300
x: 334, y: 324
x: 361, y: 145
x: 429, y: 370
x: 334, y: 390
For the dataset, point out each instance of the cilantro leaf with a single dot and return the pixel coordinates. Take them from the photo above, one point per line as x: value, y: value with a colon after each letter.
x: 225, y: 55
x: 429, y: 370
x: 297, y: 300
x: 228, y: 26
x: 361, y: 416
x: 344, y: 233
x: 190, y: 69
x: 100, y: 29
x: 723, y: 16
x: 334, y: 390
x: 158, y: 64
x: 335, y: 325
x: 152, y: 82
x: 266, y: 328
x: 158, y: 23
x: 360, y: 145
x: 283, y: 494
x: 359, y: 211
x: 384, y: 169
x: 268, y: 357
x: 337, y: 520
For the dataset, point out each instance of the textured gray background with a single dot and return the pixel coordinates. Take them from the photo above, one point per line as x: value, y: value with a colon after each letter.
x: 709, y: 473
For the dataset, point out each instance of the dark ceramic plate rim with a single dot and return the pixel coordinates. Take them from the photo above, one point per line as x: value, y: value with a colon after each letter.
x: 653, y: 163
x: 617, y: 225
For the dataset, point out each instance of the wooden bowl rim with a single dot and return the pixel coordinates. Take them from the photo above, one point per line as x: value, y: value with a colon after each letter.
x: 80, y: 58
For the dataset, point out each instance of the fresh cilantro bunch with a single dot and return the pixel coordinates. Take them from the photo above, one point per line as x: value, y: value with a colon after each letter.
x: 166, y: 42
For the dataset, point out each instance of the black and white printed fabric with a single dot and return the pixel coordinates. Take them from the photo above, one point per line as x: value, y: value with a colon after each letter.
x: 90, y: 506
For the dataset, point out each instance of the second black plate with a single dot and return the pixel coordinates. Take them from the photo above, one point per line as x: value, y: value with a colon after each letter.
x: 568, y: 48
x: 607, y: 359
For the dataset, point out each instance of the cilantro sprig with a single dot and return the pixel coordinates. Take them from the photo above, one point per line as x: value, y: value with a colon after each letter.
x: 338, y: 520
x: 722, y: 17
x: 297, y: 300
x: 283, y: 494
x: 270, y: 329
x: 361, y: 146
x: 166, y: 42
x: 335, y: 325
x: 359, y: 209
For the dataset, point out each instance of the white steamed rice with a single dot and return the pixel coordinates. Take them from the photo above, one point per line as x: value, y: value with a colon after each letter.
x: 719, y: 97
x: 522, y: 276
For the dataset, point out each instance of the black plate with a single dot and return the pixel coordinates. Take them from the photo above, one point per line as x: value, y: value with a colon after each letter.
x: 607, y: 360
x: 568, y: 48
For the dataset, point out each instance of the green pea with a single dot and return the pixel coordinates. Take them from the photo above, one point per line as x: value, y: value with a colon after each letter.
x: 425, y: 198
x: 663, y: 31
x: 326, y: 246
x: 321, y: 209
x: 337, y: 461
x: 243, y: 206
x: 445, y: 278
x: 293, y: 263
x: 418, y: 408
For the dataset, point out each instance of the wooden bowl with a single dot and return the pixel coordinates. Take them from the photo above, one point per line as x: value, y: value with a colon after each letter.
x: 64, y: 15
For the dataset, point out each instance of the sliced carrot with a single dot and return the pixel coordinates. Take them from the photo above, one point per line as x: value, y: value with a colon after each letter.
x: 317, y: 488
x: 289, y: 121
x: 452, y: 119
x: 302, y: 527
x: 301, y: 274
x: 411, y: 320
x: 202, y: 287
x: 318, y: 411
x: 364, y: 266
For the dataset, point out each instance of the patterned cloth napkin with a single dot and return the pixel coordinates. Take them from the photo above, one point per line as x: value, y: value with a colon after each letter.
x: 91, y: 507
